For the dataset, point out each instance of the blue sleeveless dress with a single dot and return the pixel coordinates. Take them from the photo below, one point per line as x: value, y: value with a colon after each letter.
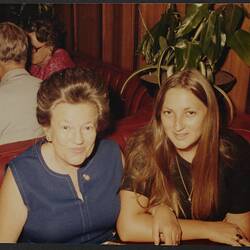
x: 55, y: 213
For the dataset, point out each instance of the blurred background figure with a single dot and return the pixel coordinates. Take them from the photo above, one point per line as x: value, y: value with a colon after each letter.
x: 18, y: 88
x: 48, y: 56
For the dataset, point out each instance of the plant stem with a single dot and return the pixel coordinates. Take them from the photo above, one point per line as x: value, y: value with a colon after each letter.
x: 145, y: 26
x: 197, y: 33
x: 148, y: 67
x: 229, y: 102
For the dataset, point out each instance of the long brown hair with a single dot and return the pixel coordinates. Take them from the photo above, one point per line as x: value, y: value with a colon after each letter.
x: 150, y: 155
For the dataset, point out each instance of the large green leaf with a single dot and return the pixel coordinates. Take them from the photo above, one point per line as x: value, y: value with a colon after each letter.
x: 196, y: 12
x: 240, y: 43
x: 188, y: 55
x: 208, y: 32
x: 191, y: 9
x: 173, y: 21
x: 162, y: 42
x: 212, y: 38
x: 169, y: 54
x: 165, y: 27
x: 151, y: 37
x: 233, y: 17
x: 220, y: 41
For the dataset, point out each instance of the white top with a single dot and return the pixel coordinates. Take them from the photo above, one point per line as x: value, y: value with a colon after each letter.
x: 18, y: 90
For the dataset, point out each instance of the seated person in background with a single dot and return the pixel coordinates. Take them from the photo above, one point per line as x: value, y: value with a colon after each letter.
x: 65, y: 189
x: 18, y: 88
x: 182, y: 165
x: 47, y: 57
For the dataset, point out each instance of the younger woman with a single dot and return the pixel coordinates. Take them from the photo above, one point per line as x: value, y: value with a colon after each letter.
x: 183, y: 162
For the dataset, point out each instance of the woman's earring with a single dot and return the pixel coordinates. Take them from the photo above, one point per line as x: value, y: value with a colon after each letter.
x: 48, y: 139
x: 51, y: 50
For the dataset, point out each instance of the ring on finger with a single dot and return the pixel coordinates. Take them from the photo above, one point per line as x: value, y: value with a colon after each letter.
x: 238, y: 237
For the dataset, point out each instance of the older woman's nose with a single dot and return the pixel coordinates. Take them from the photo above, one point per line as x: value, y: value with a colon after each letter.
x: 78, y: 136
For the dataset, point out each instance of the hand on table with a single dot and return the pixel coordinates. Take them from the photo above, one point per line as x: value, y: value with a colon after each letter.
x: 227, y: 233
x: 165, y: 226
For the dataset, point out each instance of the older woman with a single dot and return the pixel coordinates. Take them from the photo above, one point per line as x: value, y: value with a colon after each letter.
x: 47, y: 56
x: 65, y: 189
x: 182, y: 165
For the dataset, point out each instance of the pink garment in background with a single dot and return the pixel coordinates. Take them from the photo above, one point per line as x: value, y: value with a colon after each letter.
x: 59, y: 60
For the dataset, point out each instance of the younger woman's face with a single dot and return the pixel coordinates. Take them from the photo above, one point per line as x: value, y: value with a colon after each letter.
x: 72, y: 132
x: 183, y: 116
x: 40, y: 51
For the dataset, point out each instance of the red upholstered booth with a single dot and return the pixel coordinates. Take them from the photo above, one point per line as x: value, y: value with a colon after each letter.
x: 132, y: 109
x: 126, y: 107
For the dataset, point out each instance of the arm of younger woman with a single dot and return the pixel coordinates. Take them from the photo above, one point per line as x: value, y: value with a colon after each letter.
x: 13, y: 212
x: 135, y: 224
x: 233, y: 230
x: 242, y: 220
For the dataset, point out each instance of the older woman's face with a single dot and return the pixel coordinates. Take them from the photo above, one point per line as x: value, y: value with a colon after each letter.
x: 40, y: 51
x: 183, y: 116
x: 72, y: 132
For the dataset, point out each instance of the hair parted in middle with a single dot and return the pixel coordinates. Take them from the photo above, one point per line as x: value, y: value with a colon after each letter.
x: 73, y: 86
x: 151, y: 156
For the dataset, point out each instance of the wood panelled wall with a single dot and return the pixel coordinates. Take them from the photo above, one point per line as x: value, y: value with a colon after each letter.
x: 112, y: 32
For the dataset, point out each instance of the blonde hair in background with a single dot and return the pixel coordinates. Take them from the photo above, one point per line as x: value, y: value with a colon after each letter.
x: 14, y: 43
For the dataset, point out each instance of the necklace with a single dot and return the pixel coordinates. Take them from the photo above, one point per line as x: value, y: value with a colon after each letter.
x: 189, y: 195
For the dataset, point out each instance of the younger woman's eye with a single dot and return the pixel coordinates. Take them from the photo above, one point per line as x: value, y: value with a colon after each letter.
x: 167, y: 112
x: 191, y: 113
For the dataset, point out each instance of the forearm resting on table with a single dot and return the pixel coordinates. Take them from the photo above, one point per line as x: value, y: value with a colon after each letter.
x: 218, y: 231
x: 139, y: 229
x: 194, y: 229
x: 134, y: 223
x: 137, y: 224
x: 136, y: 229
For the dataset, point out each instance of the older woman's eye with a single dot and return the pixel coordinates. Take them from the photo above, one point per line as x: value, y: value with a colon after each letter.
x: 65, y: 127
x: 89, y: 127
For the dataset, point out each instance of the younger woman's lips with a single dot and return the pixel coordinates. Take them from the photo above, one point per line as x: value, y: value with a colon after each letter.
x: 180, y: 136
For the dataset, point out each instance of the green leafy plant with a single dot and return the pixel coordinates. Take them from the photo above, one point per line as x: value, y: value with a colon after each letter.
x: 199, y: 40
